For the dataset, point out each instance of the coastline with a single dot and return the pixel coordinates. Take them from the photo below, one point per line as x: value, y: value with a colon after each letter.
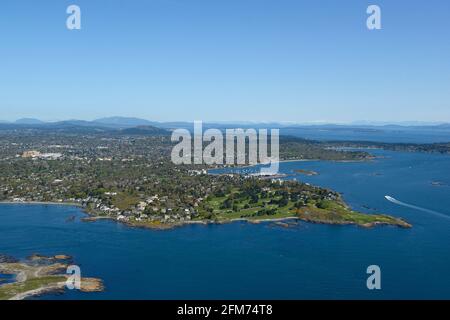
x: 38, y: 274
x: 90, y: 217
x: 43, y: 203
x: 244, y: 166
x: 52, y: 288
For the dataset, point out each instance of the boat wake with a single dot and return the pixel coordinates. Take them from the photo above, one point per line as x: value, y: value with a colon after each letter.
x: 435, y: 213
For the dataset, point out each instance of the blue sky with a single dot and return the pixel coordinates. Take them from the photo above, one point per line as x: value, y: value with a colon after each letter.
x: 247, y: 60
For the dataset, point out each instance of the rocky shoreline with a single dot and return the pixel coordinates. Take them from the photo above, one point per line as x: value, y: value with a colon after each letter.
x: 92, y: 217
x: 38, y: 275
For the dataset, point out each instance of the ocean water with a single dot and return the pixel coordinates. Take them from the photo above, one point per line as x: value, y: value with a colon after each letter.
x: 265, y: 261
x: 380, y: 134
x: 6, y: 278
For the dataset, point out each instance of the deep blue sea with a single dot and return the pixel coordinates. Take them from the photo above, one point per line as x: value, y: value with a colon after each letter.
x: 265, y: 261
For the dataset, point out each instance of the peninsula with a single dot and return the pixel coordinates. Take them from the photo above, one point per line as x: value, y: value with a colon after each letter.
x: 129, y: 177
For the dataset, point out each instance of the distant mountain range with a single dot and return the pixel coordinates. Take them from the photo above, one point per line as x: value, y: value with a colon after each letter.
x: 124, y: 122
x: 115, y: 125
x: 131, y: 122
x: 137, y: 126
x: 29, y: 121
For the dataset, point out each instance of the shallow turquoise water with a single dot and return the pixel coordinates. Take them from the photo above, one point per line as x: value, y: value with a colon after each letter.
x: 241, y: 260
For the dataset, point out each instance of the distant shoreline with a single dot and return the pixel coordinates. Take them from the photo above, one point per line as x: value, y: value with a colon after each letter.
x: 244, y: 166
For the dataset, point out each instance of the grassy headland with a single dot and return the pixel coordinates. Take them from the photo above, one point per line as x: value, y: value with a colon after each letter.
x: 39, y: 275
